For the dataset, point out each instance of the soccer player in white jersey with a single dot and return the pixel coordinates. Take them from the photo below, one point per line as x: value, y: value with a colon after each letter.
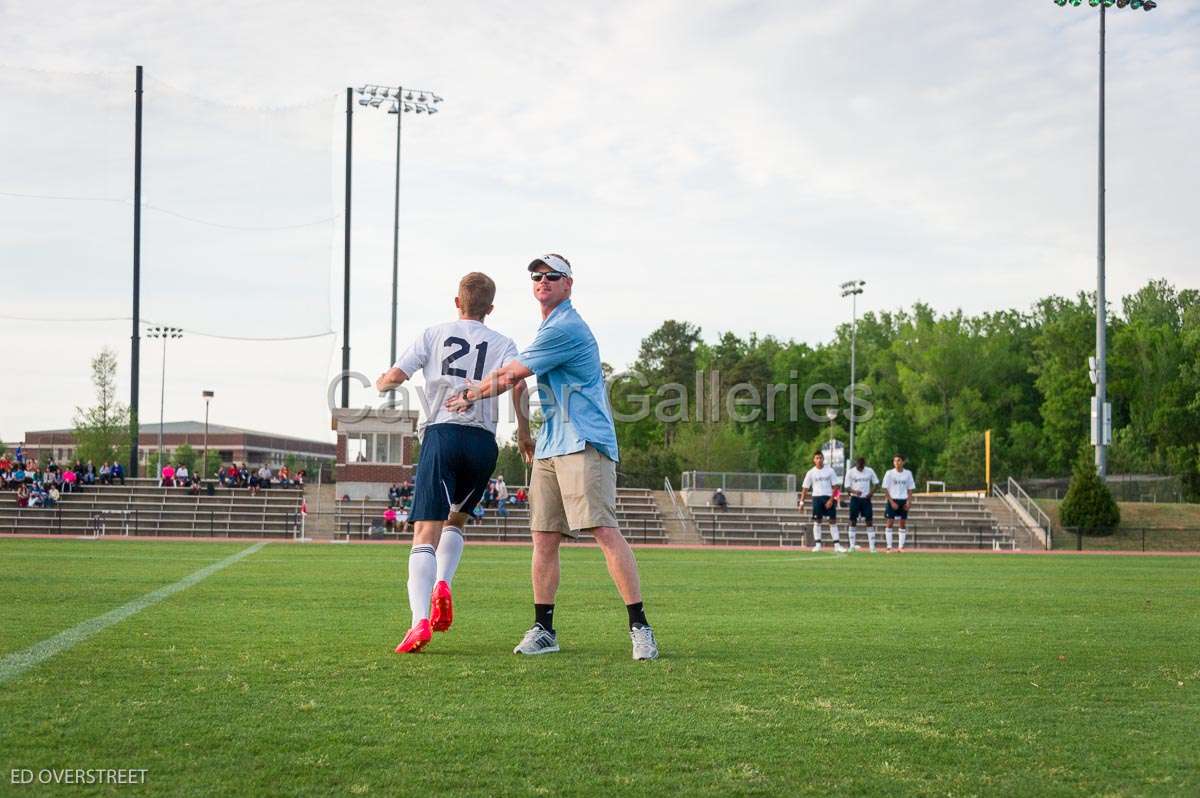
x: 458, y: 450
x: 820, y: 479
x: 861, y: 481
x: 899, y: 485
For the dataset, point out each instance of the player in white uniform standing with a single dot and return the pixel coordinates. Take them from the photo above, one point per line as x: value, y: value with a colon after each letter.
x: 899, y: 485
x: 861, y: 481
x: 458, y: 450
x: 820, y: 479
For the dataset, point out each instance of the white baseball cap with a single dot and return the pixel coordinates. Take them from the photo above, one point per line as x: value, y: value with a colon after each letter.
x: 556, y: 262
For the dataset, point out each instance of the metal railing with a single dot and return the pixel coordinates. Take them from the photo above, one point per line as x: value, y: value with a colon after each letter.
x: 736, y: 480
x: 683, y: 517
x: 1012, y: 491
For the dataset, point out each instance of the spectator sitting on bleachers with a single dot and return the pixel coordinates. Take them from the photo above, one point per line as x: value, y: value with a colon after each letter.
x: 70, y: 481
x: 389, y: 518
x: 522, y: 497
x: 183, y: 477
x: 719, y: 501
x: 394, y: 494
x: 477, y: 513
x: 37, y: 495
x: 23, y: 495
x: 265, y: 476
x: 118, y: 473
x: 285, y: 477
x: 106, y: 474
x: 168, y: 476
x: 89, y: 473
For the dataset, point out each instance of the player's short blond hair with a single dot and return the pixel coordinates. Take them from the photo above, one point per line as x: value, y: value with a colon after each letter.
x: 476, y: 292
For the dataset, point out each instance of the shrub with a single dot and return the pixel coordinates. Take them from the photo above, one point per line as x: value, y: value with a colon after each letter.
x: 1089, y: 505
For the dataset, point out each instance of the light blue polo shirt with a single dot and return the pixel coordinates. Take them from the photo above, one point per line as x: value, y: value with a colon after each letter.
x: 571, y: 387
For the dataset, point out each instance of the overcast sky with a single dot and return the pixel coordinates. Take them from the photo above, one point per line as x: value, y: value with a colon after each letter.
x: 724, y: 163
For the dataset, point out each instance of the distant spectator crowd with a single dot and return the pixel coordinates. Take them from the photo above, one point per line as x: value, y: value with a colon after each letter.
x: 39, y: 484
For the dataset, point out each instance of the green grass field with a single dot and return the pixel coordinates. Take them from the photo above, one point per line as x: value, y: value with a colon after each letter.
x: 782, y: 673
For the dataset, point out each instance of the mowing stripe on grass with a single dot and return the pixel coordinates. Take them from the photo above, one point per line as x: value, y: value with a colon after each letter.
x: 18, y: 662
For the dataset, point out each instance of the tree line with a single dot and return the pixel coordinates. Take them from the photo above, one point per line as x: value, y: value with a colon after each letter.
x: 935, y: 382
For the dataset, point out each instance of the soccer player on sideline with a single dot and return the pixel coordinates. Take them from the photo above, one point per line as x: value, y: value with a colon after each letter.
x: 861, y: 481
x: 898, y: 484
x: 820, y: 479
x: 574, y: 481
x: 458, y: 450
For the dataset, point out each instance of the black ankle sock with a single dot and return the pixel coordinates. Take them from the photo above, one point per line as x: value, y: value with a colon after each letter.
x: 637, y: 615
x: 543, y: 614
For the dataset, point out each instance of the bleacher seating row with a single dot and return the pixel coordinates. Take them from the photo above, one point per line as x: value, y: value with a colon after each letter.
x: 935, y: 521
x: 140, y: 507
x: 637, y: 515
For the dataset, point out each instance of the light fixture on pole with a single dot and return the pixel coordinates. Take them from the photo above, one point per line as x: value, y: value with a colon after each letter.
x: 852, y: 289
x: 164, y: 333
x: 208, y: 395
x: 425, y: 103
x: 1101, y: 423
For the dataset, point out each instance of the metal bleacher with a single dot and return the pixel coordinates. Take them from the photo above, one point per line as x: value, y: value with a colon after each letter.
x: 935, y: 521
x: 142, y: 508
x: 637, y: 515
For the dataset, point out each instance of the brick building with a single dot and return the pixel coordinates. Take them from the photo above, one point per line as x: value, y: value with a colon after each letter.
x: 233, y: 444
x: 374, y: 450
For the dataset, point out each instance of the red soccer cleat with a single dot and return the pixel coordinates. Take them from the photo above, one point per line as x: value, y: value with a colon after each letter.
x: 416, y: 638
x: 441, y: 608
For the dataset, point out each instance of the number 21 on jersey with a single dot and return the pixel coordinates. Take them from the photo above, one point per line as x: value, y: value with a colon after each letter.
x: 461, y: 348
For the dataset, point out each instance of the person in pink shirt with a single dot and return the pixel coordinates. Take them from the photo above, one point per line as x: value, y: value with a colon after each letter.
x: 168, y: 476
x: 389, y: 519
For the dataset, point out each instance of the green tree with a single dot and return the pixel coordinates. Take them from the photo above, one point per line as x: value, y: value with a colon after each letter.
x: 511, y: 465
x: 1089, y: 505
x: 101, y: 431
x: 185, y: 455
x: 1067, y: 336
x: 212, y: 465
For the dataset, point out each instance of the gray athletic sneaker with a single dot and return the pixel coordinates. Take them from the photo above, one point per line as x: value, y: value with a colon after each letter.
x: 644, y: 646
x: 537, y: 641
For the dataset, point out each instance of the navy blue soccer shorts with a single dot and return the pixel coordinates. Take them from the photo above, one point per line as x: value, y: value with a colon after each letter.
x: 455, y: 464
x: 819, y: 510
x: 860, y: 507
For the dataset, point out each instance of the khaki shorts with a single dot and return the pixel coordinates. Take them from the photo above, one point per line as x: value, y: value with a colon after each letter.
x: 574, y: 491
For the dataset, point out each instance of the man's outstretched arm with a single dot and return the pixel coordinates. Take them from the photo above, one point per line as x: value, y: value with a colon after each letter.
x: 391, y: 379
x: 494, y: 384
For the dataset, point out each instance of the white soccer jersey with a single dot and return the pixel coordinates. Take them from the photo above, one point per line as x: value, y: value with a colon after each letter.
x: 820, y: 480
x: 450, y: 355
x: 898, y: 483
x: 861, y: 481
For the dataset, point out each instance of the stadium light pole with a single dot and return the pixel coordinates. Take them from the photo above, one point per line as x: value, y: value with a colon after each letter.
x: 164, y: 333
x: 346, y: 255
x: 400, y: 101
x: 852, y: 288
x: 136, y: 341
x: 208, y: 395
x: 1099, y: 411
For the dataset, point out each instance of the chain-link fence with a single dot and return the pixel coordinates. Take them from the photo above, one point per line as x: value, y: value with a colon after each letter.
x: 1144, y: 538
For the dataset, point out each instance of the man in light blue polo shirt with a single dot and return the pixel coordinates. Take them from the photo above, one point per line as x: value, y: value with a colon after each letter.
x: 573, y: 486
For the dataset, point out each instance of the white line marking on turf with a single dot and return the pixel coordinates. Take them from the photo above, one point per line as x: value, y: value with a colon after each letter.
x: 18, y: 662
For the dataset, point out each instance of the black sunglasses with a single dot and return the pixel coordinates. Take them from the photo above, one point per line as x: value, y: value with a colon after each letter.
x: 553, y: 277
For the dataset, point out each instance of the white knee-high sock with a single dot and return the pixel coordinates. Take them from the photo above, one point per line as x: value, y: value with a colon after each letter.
x: 903, y: 534
x: 449, y: 551
x: 853, y: 535
x: 833, y: 533
x: 871, y: 537
x: 816, y: 533
x: 422, y: 567
x: 888, y: 534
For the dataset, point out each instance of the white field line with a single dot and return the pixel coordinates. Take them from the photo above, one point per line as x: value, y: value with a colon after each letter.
x: 15, y: 664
